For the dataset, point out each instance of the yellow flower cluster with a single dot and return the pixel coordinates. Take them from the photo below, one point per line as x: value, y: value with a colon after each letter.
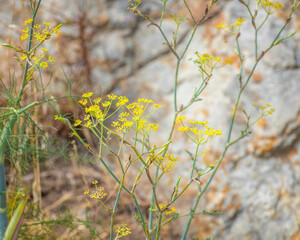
x: 166, y: 163
x: 270, y: 6
x: 266, y: 109
x: 134, y: 5
x: 123, y: 231
x: 133, y: 114
x: 233, y: 28
x: 40, y: 37
x: 168, y: 211
x: 207, y: 63
x: 198, y: 136
x: 98, y: 193
x: 94, y: 113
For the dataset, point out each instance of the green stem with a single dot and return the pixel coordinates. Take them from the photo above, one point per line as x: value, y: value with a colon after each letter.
x: 163, y: 13
x: 191, y: 215
x: 115, y: 206
x: 158, y: 226
x: 194, y: 161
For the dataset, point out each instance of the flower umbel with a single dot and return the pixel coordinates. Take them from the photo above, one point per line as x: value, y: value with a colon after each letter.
x: 199, y: 132
x: 233, y: 28
x: 165, y: 163
x: 122, y: 231
x: 98, y: 193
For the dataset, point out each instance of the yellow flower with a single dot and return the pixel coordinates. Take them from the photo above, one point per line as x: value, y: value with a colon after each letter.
x: 24, y: 37
x: 97, y: 100
x: 44, y: 65
x: 183, y: 129
x: 83, y: 102
x: 180, y: 119
x: 270, y: 6
x: 199, y: 136
x: 228, y: 61
x: 87, y: 95
x: 233, y: 28
x: 152, y: 127
x: 122, y: 101
x: 51, y: 59
x: 45, y: 32
x: 112, y: 96
x: 47, y: 24
x: 156, y: 105
x: 28, y: 21
x: 221, y: 25
x: 23, y: 57
x: 166, y: 163
x: 25, y: 30
x: 106, y: 104
x: 123, y: 231
x: 44, y: 49
x: 77, y: 122
x: 95, y: 182
x: 56, y: 30
x: 88, y: 123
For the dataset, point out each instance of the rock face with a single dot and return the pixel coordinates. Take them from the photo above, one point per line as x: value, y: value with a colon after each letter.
x: 258, y: 184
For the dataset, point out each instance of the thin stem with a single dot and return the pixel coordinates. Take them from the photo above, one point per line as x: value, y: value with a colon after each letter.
x: 158, y: 225
x: 194, y: 161
x: 163, y: 12
x: 190, y: 12
x: 191, y: 215
x: 116, y: 204
x: 176, y: 85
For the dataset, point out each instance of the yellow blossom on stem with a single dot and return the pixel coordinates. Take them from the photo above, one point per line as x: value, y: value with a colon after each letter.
x: 180, y: 119
x: 44, y: 65
x: 77, y: 122
x: 87, y: 95
x: 28, y: 21
x: 24, y: 37
x: 165, y: 163
x: 51, y: 59
x: 122, y: 101
x: 270, y: 6
x: 83, y: 102
x: 47, y: 24
x: 122, y: 231
x: 98, y: 193
x: 168, y: 211
x: 23, y: 57
x: 202, y: 135
x: 97, y: 100
x: 112, y: 96
x: 106, y: 104
x: 233, y: 28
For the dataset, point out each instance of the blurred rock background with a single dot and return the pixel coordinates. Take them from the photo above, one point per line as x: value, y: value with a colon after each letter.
x: 104, y: 48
